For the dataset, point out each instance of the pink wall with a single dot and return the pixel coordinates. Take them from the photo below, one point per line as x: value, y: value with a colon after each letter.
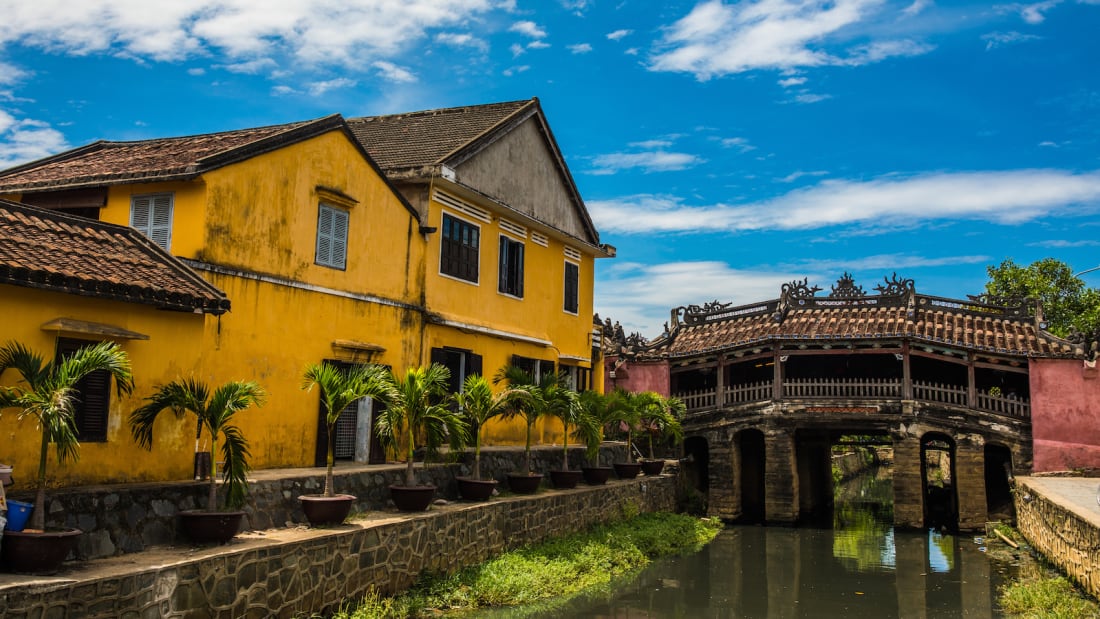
x: 637, y: 375
x: 1065, y: 414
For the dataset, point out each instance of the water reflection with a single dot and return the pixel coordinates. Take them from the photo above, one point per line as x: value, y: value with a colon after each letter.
x: 861, y: 568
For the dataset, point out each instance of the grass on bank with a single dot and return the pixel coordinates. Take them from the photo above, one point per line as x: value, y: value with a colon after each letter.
x: 559, y: 568
x: 1041, y: 594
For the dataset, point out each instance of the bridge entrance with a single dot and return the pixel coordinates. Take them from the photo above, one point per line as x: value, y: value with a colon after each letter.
x: 938, y: 481
x: 752, y: 463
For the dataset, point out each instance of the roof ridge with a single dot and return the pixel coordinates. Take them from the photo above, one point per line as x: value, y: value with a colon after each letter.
x: 438, y: 111
x: 289, y: 125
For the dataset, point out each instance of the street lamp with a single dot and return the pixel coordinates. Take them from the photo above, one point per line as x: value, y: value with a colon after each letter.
x: 1095, y: 268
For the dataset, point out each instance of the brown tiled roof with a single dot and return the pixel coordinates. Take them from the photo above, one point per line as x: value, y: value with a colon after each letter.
x: 105, y: 163
x: 426, y: 138
x: 53, y: 251
x: 921, y: 319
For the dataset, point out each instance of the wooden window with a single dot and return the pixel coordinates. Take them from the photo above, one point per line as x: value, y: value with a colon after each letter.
x: 511, y: 267
x: 332, y: 237
x: 460, y: 362
x: 459, y: 246
x: 572, y: 287
x: 151, y: 215
x: 536, y: 368
x: 93, y: 397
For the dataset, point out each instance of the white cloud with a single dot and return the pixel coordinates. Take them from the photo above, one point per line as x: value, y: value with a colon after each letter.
x: 792, y: 81
x: 797, y: 174
x: 10, y: 74
x: 997, y: 39
x: 517, y: 50
x: 528, y: 28
x: 1002, y: 197
x: 455, y: 39
x: 580, y: 48
x: 349, y: 33
x: 651, y: 144
x: 1063, y: 244
x: 656, y: 161
x: 809, y: 97
x: 320, y: 88
x: 23, y: 140
x: 882, y: 262
x: 717, y: 39
x: 196, y: 71
x: 510, y: 71
x: 283, y: 90
x: 1031, y: 13
x: 631, y: 51
x: 251, y: 67
x: 392, y: 72
x: 741, y: 144
x: 538, y: 45
x: 917, y: 7
x: 618, y: 34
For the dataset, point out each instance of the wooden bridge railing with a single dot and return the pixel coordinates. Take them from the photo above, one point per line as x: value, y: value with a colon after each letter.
x: 856, y: 388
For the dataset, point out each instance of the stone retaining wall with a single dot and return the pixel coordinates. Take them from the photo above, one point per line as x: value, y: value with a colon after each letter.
x: 132, y: 517
x: 1064, y: 538
x: 297, y: 572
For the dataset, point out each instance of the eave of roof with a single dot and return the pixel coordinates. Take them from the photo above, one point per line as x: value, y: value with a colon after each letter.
x: 53, y: 251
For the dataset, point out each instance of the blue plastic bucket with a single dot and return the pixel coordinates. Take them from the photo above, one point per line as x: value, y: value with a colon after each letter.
x: 18, y: 515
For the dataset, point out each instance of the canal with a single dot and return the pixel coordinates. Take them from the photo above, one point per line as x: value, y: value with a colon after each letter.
x: 857, y: 567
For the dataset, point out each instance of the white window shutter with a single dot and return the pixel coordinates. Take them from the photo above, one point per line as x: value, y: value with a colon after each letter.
x: 152, y: 216
x: 332, y: 237
x: 339, y: 239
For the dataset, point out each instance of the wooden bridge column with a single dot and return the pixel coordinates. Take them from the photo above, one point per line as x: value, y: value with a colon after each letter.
x: 906, y: 373
x: 970, y: 483
x: 780, y: 478
x: 908, y: 489
x: 720, y: 384
x: 724, y: 486
x: 777, y: 375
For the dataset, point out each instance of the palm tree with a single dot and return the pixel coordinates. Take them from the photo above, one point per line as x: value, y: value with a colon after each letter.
x: 594, y: 415
x: 215, y: 412
x: 624, y: 408
x: 417, y: 407
x: 339, y: 388
x: 478, y: 404
x: 50, y: 396
x: 660, y: 419
x: 562, y: 402
x: 526, y: 401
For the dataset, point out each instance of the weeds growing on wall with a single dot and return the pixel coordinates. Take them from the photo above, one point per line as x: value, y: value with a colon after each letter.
x: 1048, y: 598
x: 557, y: 569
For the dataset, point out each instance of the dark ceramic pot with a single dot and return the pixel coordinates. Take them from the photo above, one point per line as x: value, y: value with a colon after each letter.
x: 596, y: 475
x: 524, y: 484
x: 321, y: 510
x: 563, y: 480
x: 412, y: 498
x: 204, y: 527
x: 475, y: 489
x: 37, y: 552
x: 653, y: 467
x: 627, y: 470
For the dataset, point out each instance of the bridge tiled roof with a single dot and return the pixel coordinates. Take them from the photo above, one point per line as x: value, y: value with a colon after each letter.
x: 898, y: 313
x: 49, y: 250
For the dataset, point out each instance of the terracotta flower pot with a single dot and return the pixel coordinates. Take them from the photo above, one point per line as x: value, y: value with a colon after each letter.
x: 37, y: 552
x: 596, y: 475
x: 204, y: 527
x: 564, y: 480
x: 653, y: 467
x: 412, y: 498
x: 627, y: 470
x: 321, y: 510
x: 524, y: 484
x: 475, y: 489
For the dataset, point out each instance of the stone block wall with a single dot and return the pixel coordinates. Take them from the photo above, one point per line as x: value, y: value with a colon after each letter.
x: 132, y: 517
x: 297, y: 572
x: 1064, y: 538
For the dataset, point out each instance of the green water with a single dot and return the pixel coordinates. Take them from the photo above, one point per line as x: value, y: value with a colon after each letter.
x: 861, y: 567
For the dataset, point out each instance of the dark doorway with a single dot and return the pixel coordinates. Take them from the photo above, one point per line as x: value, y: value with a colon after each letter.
x: 998, y: 483
x: 753, y: 465
x: 346, y: 432
x: 941, y: 503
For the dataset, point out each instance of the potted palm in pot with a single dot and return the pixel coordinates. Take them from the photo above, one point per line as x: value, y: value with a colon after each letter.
x: 526, y: 402
x: 660, y: 421
x: 625, y: 411
x: 478, y: 404
x: 594, y: 415
x: 417, y: 407
x: 47, y: 393
x: 564, y: 403
x: 340, y: 387
x: 215, y: 411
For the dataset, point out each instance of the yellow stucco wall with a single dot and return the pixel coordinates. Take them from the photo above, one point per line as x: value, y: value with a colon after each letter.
x: 175, y: 341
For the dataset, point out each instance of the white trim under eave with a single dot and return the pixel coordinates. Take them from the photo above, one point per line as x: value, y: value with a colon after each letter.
x: 572, y: 358
x: 464, y: 326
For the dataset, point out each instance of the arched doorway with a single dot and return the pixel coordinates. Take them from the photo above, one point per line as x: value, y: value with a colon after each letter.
x: 696, y: 465
x: 941, y: 502
x: 998, y: 483
x: 752, y: 466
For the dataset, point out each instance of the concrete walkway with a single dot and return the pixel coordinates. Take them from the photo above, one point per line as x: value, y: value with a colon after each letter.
x: 1075, y: 494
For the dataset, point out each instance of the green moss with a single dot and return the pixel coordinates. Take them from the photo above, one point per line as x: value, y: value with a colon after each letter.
x: 556, y: 569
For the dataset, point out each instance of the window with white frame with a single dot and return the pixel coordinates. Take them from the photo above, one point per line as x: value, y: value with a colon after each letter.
x: 511, y: 267
x: 332, y: 237
x: 151, y: 215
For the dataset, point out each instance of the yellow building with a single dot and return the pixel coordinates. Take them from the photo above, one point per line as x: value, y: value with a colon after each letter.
x: 460, y: 238
x: 511, y: 249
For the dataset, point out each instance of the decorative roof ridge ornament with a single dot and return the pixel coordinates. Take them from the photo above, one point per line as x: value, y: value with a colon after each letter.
x: 846, y: 288
x: 793, y: 290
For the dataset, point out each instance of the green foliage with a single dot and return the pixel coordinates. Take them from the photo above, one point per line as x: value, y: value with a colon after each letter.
x: 1068, y: 304
x: 530, y: 399
x: 47, y: 392
x: 215, y: 412
x: 478, y: 404
x: 340, y: 386
x: 560, y: 568
x: 1050, y: 598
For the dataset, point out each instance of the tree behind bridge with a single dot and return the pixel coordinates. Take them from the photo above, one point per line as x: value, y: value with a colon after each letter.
x: 1068, y: 304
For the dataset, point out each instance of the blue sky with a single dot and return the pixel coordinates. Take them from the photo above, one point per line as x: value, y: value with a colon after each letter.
x: 723, y: 147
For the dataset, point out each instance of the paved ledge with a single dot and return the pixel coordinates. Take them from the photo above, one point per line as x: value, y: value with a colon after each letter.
x: 1059, y: 516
